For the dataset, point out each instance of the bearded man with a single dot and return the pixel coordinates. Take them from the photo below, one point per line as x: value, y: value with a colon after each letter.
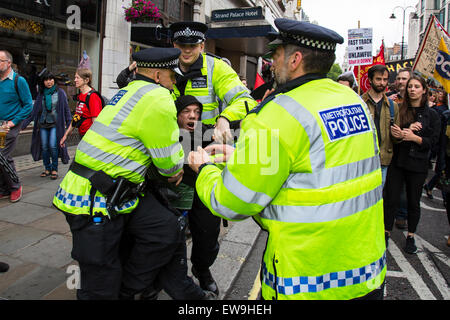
x: 383, y: 110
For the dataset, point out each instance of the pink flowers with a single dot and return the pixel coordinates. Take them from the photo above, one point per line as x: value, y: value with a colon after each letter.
x: 142, y: 11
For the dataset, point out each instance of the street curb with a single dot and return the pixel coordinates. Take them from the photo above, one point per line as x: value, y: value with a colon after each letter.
x: 234, y: 250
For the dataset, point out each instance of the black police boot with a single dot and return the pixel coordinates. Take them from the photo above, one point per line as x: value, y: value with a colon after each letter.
x: 206, y: 280
x: 4, y: 267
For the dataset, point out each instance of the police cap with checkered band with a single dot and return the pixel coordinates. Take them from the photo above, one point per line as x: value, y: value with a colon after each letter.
x: 304, y: 34
x: 159, y: 58
x: 188, y: 32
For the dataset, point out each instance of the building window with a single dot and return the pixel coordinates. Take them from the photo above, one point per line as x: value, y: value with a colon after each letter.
x: 159, y: 4
x: 175, y: 10
x: 442, y: 16
x: 188, y: 13
x: 448, y: 18
x: 436, y: 5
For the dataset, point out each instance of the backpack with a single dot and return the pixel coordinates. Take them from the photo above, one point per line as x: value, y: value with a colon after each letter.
x: 103, y: 99
x: 391, y: 110
x: 16, y: 86
x: 76, y: 119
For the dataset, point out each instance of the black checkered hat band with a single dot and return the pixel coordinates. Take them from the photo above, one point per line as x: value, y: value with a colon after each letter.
x: 307, y: 42
x: 158, y: 65
x: 189, y: 33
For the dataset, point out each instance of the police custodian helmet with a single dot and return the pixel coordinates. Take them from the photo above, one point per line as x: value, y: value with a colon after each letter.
x: 188, y: 32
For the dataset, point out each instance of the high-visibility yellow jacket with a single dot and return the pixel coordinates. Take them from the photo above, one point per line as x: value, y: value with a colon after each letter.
x: 307, y: 168
x: 138, y: 127
x: 219, y: 90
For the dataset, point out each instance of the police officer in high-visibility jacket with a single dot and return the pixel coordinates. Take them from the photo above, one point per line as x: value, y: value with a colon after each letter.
x: 137, y: 128
x: 209, y: 79
x: 225, y: 99
x: 307, y: 168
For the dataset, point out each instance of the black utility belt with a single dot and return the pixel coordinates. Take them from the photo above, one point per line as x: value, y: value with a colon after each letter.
x: 117, y: 191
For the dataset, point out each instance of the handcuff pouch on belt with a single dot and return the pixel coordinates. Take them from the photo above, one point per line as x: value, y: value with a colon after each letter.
x: 117, y: 191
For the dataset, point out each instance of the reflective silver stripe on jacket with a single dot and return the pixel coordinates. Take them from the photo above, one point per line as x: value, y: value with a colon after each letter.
x: 325, y: 212
x: 111, y: 131
x: 117, y: 137
x: 166, y: 152
x: 331, y: 176
x: 222, y: 210
x: 242, y: 192
x: 174, y: 169
x: 311, y: 127
x: 233, y: 92
x: 210, y: 63
x: 115, y: 159
x: 206, y: 115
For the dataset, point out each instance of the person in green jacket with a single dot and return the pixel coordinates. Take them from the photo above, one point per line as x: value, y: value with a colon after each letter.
x: 306, y: 167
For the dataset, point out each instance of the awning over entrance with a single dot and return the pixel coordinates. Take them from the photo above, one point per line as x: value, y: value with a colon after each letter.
x: 250, y: 39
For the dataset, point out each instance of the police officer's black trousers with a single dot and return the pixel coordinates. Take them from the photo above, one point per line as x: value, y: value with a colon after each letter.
x: 157, y: 253
x: 96, y: 248
x: 205, y: 229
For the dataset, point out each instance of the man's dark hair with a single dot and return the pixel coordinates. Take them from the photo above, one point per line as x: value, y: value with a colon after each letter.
x: 347, y: 77
x: 378, y: 68
x: 409, y: 70
x: 314, y: 61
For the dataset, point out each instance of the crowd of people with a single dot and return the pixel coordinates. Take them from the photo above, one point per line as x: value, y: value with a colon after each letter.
x: 144, y: 170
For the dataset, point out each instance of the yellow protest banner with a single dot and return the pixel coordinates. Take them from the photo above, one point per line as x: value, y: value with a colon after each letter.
x: 425, y: 61
x: 442, y: 71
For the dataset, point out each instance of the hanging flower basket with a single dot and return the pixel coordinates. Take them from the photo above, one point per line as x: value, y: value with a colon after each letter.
x: 141, y: 11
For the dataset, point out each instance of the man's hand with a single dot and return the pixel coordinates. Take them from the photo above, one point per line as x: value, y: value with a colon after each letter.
x: 222, y: 133
x: 176, y: 178
x: 197, y: 158
x: 132, y: 66
x: 268, y: 92
x: 224, y: 149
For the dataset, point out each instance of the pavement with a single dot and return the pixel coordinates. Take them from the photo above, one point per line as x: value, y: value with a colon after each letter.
x: 35, y: 240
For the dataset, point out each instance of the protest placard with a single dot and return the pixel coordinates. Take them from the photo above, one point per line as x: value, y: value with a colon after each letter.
x: 360, y: 46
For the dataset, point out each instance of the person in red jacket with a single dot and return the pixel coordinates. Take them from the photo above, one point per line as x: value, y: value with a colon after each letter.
x: 85, y: 113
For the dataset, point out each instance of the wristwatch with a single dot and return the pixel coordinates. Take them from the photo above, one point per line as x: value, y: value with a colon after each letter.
x: 204, y: 165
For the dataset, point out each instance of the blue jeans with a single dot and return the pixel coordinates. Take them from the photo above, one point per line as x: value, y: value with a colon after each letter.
x: 383, y: 175
x: 49, y: 146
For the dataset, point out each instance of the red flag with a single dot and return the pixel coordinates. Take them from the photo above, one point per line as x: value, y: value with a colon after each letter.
x: 363, y: 70
x: 259, y: 81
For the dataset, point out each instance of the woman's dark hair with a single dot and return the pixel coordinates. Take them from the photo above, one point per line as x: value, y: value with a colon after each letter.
x: 407, y: 113
x: 47, y: 75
